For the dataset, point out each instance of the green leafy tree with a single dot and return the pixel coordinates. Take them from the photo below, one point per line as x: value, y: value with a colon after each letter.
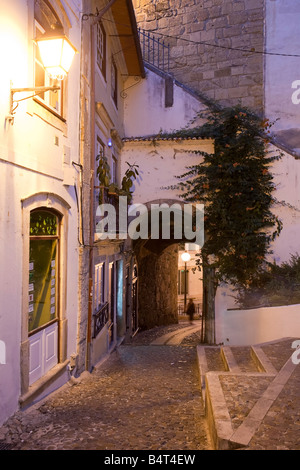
x: 236, y: 185
x: 131, y: 174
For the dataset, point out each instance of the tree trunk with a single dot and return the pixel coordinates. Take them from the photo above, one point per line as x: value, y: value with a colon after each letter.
x: 208, y: 313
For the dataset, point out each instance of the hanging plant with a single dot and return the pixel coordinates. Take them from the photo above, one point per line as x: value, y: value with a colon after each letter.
x: 127, y: 182
x: 103, y: 174
x: 113, y: 189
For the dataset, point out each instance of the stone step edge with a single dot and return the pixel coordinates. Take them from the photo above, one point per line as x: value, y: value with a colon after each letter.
x: 262, y: 362
x: 216, y: 410
x: 259, y: 358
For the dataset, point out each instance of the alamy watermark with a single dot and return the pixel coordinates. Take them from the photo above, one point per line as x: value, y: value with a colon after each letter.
x: 2, y: 352
x: 296, y: 354
x: 296, y: 94
x: 159, y: 221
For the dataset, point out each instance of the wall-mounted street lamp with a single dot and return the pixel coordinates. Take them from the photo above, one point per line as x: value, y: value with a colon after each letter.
x: 57, y: 54
x: 185, y: 258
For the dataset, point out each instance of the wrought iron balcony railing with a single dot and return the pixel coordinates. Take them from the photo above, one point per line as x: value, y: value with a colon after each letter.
x: 154, y: 50
x: 100, y: 318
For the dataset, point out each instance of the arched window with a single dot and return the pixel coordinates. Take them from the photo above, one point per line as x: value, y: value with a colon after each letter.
x: 43, y: 269
x: 46, y: 16
x: 101, y: 49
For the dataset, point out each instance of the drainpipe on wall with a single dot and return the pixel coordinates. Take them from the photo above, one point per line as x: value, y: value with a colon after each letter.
x: 92, y: 163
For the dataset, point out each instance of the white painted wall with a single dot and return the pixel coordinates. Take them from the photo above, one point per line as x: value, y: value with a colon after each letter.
x: 159, y: 165
x: 282, y: 28
x: 145, y: 112
x: 30, y: 163
x: 282, y: 31
x: 286, y: 174
x: 161, y: 161
x: 246, y: 327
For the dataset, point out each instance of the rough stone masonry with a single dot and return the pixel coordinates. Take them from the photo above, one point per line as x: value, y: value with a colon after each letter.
x: 210, y: 42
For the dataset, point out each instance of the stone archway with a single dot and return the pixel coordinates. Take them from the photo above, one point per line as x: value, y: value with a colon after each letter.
x: 157, y: 287
x: 157, y: 260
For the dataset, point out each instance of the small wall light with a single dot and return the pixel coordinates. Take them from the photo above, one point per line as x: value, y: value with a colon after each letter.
x: 57, y: 54
x: 185, y: 257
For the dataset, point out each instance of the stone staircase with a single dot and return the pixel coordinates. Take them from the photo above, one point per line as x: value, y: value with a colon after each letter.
x: 239, y: 385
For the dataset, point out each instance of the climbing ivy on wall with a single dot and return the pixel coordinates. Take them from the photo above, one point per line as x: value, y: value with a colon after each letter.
x: 236, y: 185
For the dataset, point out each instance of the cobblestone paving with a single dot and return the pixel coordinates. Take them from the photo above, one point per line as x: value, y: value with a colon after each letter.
x: 280, y: 429
x: 278, y: 353
x: 142, y: 398
x: 241, y: 394
x: 214, y: 360
x: 243, y: 359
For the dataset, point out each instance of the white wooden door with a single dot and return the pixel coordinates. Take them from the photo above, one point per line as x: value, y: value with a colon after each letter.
x: 42, y: 352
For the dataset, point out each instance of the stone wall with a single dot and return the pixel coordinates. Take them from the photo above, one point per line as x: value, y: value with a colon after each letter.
x: 157, y: 291
x: 223, y: 73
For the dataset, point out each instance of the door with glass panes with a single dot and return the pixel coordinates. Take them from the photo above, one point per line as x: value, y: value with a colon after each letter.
x: 43, y: 293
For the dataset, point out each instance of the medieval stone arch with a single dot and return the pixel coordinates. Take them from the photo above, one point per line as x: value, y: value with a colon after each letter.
x: 157, y: 260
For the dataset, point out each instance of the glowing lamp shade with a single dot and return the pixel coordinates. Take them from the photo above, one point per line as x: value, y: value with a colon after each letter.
x: 185, y: 257
x: 57, y: 55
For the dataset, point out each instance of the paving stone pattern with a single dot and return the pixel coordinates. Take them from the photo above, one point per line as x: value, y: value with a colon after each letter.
x: 142, y: 398
x: 280, y: 430
x: 241, y: 394
x: 246, y: 389
x: 278, y: 353
x: 147, y: 396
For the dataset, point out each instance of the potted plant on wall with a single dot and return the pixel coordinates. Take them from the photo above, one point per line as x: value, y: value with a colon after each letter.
x: 113, y: 189
x: 103, y: 173
x: 131, y: 174
x: 104, y: 176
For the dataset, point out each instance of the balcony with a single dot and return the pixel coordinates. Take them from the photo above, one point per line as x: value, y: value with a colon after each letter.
x: 100, y: 318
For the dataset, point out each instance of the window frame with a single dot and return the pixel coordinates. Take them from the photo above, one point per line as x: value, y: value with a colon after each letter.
x: 114, y: 82
x: 41, y: 237
x: 45, y: 99
x: 99, y: 296
x: 114, y: 169
x: 101, y: 45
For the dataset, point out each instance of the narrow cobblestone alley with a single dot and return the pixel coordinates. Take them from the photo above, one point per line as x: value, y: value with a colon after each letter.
x: 144, y: 397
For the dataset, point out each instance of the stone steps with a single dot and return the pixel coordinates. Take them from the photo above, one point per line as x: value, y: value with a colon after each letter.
x: 234, y: 384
